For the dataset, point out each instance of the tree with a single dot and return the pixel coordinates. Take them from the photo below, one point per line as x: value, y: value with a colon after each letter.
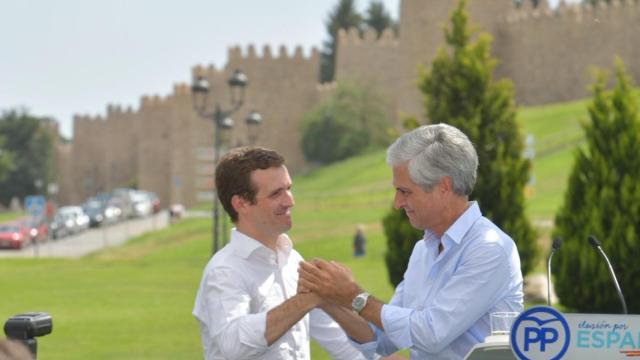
x: 6, y: 160
x: 459, y: 90
x: 401, y: 238
x: 31, y: 146
x: 378, y: 17
x: 343, y: 16
x: 603, y: 199
x: 349, y: 121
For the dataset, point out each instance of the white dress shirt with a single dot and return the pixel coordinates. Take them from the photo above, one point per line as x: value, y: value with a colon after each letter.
x: 240, y: 284
x: 442, y: 306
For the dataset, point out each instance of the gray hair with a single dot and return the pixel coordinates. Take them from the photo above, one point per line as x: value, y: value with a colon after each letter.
x: 434, y: 152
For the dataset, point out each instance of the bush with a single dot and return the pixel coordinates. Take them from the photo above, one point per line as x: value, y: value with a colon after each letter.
x: 347, y: 123
x: 603, y: 199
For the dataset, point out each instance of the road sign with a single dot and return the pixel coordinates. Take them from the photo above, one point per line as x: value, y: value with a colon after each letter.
x: 35, y: 205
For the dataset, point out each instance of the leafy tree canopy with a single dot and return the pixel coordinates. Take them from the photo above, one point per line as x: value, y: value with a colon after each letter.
x: 348, y: 122
x: 6, y: 160
x: 30, y: 144
x: 378, y: 18
x: 343, y: 16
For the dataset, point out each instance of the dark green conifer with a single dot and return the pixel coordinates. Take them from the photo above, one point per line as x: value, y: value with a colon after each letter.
x: 603, y: 199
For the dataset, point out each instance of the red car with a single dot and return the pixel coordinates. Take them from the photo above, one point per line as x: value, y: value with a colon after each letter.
x: 38, y: 231
x: 14, y: 236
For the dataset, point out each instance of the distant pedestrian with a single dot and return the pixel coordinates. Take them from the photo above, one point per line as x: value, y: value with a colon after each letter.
x: 359, y: 242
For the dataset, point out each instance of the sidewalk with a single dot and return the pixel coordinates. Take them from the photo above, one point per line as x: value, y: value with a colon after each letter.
x: 91, y: 240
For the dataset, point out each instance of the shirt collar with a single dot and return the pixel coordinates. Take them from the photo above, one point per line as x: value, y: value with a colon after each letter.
x: 462, y: 225
x: 244, y: 245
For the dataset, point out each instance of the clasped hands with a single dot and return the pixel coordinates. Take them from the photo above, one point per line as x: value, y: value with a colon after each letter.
x: 331, y: 282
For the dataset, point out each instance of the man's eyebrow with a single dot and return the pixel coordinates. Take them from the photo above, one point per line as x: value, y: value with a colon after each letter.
x: 278, y: 190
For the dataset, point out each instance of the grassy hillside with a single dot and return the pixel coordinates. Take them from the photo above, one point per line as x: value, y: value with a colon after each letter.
x: 134, y: 302
x: 10, y: 216
x: 557, y: 132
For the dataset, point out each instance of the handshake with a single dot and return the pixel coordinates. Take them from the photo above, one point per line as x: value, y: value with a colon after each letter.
x: 329, y: 282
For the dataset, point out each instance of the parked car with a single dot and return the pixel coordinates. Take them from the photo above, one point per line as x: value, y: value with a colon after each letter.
x: 14, y: 236
x: 80, y: 219
x: 38, y: 229
x: 61, y: 226
x: 100, y: 213
x: 141, y: 204
x: 122, y: 198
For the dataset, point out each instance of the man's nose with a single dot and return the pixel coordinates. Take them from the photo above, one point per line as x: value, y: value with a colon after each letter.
x: 289, y: 201
x: 398, y: 201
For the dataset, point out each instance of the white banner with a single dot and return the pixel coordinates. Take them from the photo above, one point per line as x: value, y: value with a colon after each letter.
x: 545, y: 333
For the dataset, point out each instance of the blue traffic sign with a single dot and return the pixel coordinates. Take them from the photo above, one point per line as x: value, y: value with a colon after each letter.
x: 35, y: 205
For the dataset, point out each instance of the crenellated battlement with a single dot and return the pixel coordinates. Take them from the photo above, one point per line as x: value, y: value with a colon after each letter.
x: 575, y: 12
x: 236, y: 55
x: 181, y: 89
x: 87, y: 118
x: 153, y: 101
x: 115, y: 110
x: 368, y: 37
x: 208, y: 71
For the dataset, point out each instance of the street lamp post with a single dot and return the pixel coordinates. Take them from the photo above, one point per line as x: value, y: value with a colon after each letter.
x: 222, y: 122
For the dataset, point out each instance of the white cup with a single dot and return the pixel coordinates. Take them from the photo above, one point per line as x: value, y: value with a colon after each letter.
x: 501, y: 322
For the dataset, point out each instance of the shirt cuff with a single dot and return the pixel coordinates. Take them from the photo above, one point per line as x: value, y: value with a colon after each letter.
x: 253, y: 330
x: 397, y: 325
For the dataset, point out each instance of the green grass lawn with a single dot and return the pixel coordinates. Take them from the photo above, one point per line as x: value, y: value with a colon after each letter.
x: 557, y: 132
x: 11, y: 216
x: 135, y: 301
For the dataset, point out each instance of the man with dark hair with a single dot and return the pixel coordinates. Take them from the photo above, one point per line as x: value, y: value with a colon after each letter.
x: 247, y: 305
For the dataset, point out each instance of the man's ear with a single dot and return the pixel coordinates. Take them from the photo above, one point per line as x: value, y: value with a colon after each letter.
x: 238, y: 203
x: 446, y: 185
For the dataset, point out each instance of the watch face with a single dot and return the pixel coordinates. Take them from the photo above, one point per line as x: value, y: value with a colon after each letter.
x: 359, y: 302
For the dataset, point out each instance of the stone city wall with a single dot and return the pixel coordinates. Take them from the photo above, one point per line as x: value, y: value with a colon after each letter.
x: 165, y: 147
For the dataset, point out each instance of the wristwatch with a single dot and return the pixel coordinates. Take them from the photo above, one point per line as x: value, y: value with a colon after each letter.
x: 358, y: 303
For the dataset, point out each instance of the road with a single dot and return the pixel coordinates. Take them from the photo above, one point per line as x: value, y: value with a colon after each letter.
x: 92, y: 240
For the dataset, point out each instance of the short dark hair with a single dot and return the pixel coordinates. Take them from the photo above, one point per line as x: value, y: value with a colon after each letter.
x: 233, y: 174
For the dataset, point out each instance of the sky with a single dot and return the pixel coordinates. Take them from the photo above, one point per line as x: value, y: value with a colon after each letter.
x: 66, y: 57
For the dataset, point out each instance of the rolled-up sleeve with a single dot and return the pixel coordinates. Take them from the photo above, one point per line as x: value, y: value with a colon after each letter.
x: 224, y: 310
x: 472, y: 289
x: 382, y: 343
